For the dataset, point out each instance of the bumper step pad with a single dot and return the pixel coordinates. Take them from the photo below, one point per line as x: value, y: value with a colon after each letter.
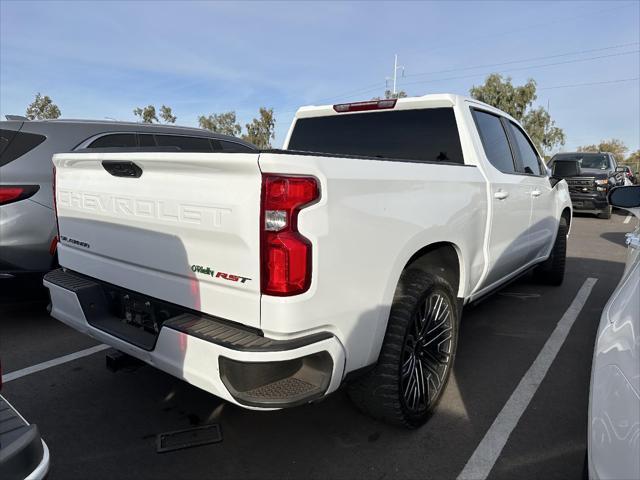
x: 211, y: 329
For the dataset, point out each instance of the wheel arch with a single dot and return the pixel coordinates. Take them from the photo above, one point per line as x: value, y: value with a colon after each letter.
x: 438, y: 257
x: 442, y: 258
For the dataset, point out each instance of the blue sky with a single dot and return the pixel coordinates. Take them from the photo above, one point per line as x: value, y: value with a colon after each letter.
x: 102, y: 59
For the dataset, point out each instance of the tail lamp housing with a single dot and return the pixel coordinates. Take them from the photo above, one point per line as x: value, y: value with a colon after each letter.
x: 285, y: 253
x: 15, y: 193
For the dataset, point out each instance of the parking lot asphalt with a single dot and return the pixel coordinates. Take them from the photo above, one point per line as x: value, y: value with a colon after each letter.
x: 100, y: 424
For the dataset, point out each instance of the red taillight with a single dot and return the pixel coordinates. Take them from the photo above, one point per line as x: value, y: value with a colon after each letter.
x: 286, y: 254
x: 362, y: 106
x: 10, y: 194
x: 13, y: 193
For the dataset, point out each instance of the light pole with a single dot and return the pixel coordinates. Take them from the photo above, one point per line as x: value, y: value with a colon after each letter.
x: 396, y: 67
x: 395, y: 72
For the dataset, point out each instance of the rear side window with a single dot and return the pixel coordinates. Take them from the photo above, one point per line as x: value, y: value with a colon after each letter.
x: 528, y: 155
x: 231, y: 147
x: 115, y: 140
x: 185, y: 144
x: 429, y: 135
x: 146, y: 140
x: 15, y: 144
x: 494, y: 141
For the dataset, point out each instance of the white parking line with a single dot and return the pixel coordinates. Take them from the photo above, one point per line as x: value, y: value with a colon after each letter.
x: 484, y: 457
x: 52, y: 363
x: 628, y: 219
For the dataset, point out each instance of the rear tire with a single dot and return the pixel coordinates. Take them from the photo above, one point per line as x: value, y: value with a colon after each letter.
x: 417, y: 353
x: 606, y: 213
x: 551, y: 271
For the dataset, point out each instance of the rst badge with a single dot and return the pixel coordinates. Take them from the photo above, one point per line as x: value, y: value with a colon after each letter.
x: 225, y: 276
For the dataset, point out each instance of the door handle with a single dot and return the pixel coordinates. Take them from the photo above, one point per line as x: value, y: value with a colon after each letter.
x: 536, y: 193
x: 501, y: 195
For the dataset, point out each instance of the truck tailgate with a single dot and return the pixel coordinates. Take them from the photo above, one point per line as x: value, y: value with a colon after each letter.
x: 181, y: 227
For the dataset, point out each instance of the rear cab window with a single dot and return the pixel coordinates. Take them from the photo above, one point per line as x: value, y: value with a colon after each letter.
x: 420, y: 135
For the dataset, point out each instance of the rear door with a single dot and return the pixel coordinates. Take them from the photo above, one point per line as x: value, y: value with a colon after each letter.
x: 181, y: 227
x: 511, y: 200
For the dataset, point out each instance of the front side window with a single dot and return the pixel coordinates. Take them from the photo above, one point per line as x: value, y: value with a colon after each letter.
x: 429, y: 135
x: 494, y: 140
x: 528, y: 155
x: 114, y: 140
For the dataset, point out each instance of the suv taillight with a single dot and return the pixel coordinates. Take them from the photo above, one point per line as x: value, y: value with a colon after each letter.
x: 15, y: 193
x: 285, y: 253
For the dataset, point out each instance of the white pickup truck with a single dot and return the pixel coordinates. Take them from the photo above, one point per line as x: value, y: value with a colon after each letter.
x: 271, y: 278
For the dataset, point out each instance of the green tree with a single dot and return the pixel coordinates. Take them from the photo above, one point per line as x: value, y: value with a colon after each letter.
x: 167, y: 115
x: 542, y: 129
x: 633, y: 161
x: 224, y: 123
x: 42, y: 108
x: 146, y: 114
x: 517, y: 101
x: 615, y: 146
x: 261, y: 130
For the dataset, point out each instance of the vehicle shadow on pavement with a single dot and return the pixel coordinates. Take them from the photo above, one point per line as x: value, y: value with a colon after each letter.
x: 615, y: 237
x: 104, y: 420
x: 97, y: 421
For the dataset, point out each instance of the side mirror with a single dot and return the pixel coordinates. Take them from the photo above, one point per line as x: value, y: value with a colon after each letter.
x: 625, y: 197
x: 620, y: 169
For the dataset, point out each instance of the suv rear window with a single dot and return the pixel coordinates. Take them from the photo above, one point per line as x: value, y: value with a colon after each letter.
x: 15, y: 144
x: 428, y: 135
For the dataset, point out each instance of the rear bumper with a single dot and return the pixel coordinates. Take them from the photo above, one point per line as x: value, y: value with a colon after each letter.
x: 236, y: 364
x: 23, y: 454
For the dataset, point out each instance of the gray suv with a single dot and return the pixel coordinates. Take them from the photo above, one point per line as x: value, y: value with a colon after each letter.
x: 28, y: 232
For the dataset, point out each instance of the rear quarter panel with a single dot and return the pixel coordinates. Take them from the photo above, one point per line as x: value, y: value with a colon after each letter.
x: 372, y: 217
